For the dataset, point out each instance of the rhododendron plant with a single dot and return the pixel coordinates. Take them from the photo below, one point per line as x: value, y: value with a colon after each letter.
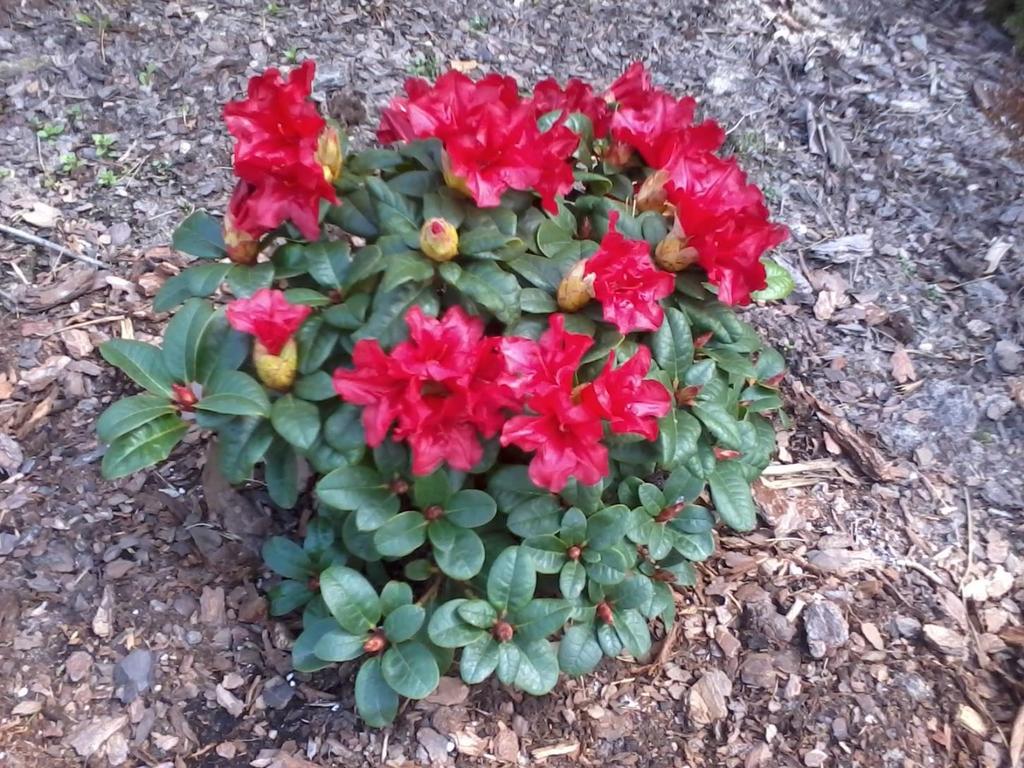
x: 493, y: 364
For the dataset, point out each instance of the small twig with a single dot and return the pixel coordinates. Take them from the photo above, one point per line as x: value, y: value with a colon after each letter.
x: 925, y: 571
x: 970, y: 539
x: 73, y: 326
x: 42, y: 242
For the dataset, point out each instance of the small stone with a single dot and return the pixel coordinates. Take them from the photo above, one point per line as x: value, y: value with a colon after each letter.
x: 999, y: 407
x: 907, y: 626
x: 229, y: 701
x: 193, y: 637
x: 78, y: 665
x: 708, y: 699
x: 945, y: 640
x: 227, y: 750
x: 872, y: 635
x: 758, y: 670
x: 770, y: 626
x: 815, y: 758
x: 232, y: 680
x: 87, y: 739
x: 840, y: 728
x: 434, y: 745
x: 165, y: 741
x: 826, y: 628
x: 278, y: 696
x: 211, y: 606
x: 117, y: 749
x: 133, y: 674
x: 1008, y: 355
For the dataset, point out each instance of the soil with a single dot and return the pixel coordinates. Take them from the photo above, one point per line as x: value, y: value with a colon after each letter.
x: 874, y: 619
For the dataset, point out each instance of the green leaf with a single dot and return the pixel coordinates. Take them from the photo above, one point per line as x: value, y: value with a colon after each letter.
x: 607, y: 526
x: 470, y: 509
x: 129, y: 414
x: 337, y: 645
x: 445, y: 204
x: 532, y: 511
x: 304, y: 658
x: 393, y: 211
x: 240, y: 445
x: 447, y: 630
x: 376, y: 701
x: 512, y: 579
x: 306, y: 297
x: 328, y: 262
x: 350, y: 598
x: 357, y: 488
x: 572, y: 579
x: 245, y: 280
x: 411, y: 670
x: 682, y: 485
x: 404, y: 622
x: 482, y: 239
x: 198, y: 281
x: 609, y: 640
x: 182, y: 339
x: 678, y: 433
x: 415, y: 183
x: 142, y: 363
x: 547, y: 552
x: 553, y: 238
x: 386, y: 322
x: 672, y: 345
x: 459, y: 552
x: 144, y: 446
x: 541, y: 618
x: 578, y: 651
x: 478, y: 660
x: 402, y: 534
x: 509, y: 659
x: 350, y: 314
x: 632, y: 629
x: 316, y: 387
x: 432, y: 489
x: 780, y: 282
x: 394, y: 595
x: 732, y: 362
x: 297, y: 421
x: 537, y: 301
x: 200, y: 235
x: 406, y: 267
x: 722, y: 424
x: 289, y: 595
x: 479, y: 613
x: 542, y: 272
x: 236, y: 394
x: 537, y: 673
x: 731, y: 495
x: 652, y: 498
x: 488, y: 285
x: 221, y: 348
x: 281, y: 472
x: 287, y: 558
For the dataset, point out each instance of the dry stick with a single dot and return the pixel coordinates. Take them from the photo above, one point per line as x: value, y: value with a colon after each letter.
x: 970, y: 540
x: 28, y: 237
x: 97, y: 321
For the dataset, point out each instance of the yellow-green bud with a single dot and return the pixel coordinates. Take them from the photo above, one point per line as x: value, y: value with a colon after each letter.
x: 673, y: 254
x: 328, y: 153
x: 652, y: 195
x: 576, y: 288
x: 276, y: 371
x: 439, y: 240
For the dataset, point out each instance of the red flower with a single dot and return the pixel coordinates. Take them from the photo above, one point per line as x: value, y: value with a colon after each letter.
x: 445, y: 387
x: 577, y: 96
x: 490, y: 136
x: 566, y: 438
x: 631, y: 403
x: 277, y: 132
x: 539, y: 367
x: 627, y: 283
x: 268, y: 316
x: 654, y: 122
x: 725, y: 219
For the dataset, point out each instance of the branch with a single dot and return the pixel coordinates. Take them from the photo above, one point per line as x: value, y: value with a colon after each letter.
x: 28, y: 237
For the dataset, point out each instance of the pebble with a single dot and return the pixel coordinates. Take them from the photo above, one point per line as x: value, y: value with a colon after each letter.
x: 826, y: 628
x: 134, y: 674
x: 1008, y: 356
x: 434, y: 744
x: 78, y: 665
x: 278, y: 696
x: 193, y: 637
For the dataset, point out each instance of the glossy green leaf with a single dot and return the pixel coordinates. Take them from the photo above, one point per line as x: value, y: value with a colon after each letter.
x: 488, y: 285
x: 470, y: 508
x: 200, y: 235
x: 432, y: 489
x: 410, y: 669
x: 541, y: 618
x: 337, y: 645
x: 479, y: 613
x: 240, y: 445
x: 350, y: 598
x: 304, y: 658
x: 199, y: 281
x: 287, y: 558
x: 447, y: 630
x: 578, y: 651
x: 402, y: 534
x: 182, y: 339
x: 297, y: 421
x: 404, y: 622
x: 316, y: 387
x: 142, y: 447
x: 512, y: 579
x: 281, y: 471
x: 678, y: 433
x: 572, y: 579
x: 142, y: 363
x: 780, y: 282
x: 245, y: 280
x: 236, y: 394
x: 406, y: 267
x: 288, y: 596
x: 672, y: 344
x: 376, y: 701
x: 478, y: 660
x: 459, y: 552
x: 394, y: 595
x: 328, y: 262
x: 537, y: 672
x: 731, y: 495
x: 607, y: 526
x: 127, y: 415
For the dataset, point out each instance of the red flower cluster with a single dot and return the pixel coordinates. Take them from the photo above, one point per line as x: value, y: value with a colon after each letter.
x: 725, y: 219
x: 655, y: 123
x: 445, y: 386
x: 490, y: 136
x: 285, y: 155
x: 268, y: 316
x: 565, y: 429
x: 626, y: 283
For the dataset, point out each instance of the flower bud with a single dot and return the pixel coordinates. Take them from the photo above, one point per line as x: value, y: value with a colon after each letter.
x: 375, y: 643
x: 724, y: 454
x: 652, y: 195
x: 276, y: 371
x: 453, y: 180
x: 704, y: 338
x: 242, y: 247
x: 671, y: 512
x: 686, y: 396
x: 439, y: 240
x: 576, y: 288
x: 604, y: 613
x: 503, y: 631
x: 328, y: 153
x: 673, y: 254
x: 433, y: 512
x: 574, y: 552
x: 184, y: 397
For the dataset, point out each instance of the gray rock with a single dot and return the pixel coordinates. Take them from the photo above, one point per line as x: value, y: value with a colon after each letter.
x: 826, y: 628
x: 278, y: 696
x: 1008, y: 356
x: 133, y: 675
x: 907, y: 626
x: 434, y: 745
